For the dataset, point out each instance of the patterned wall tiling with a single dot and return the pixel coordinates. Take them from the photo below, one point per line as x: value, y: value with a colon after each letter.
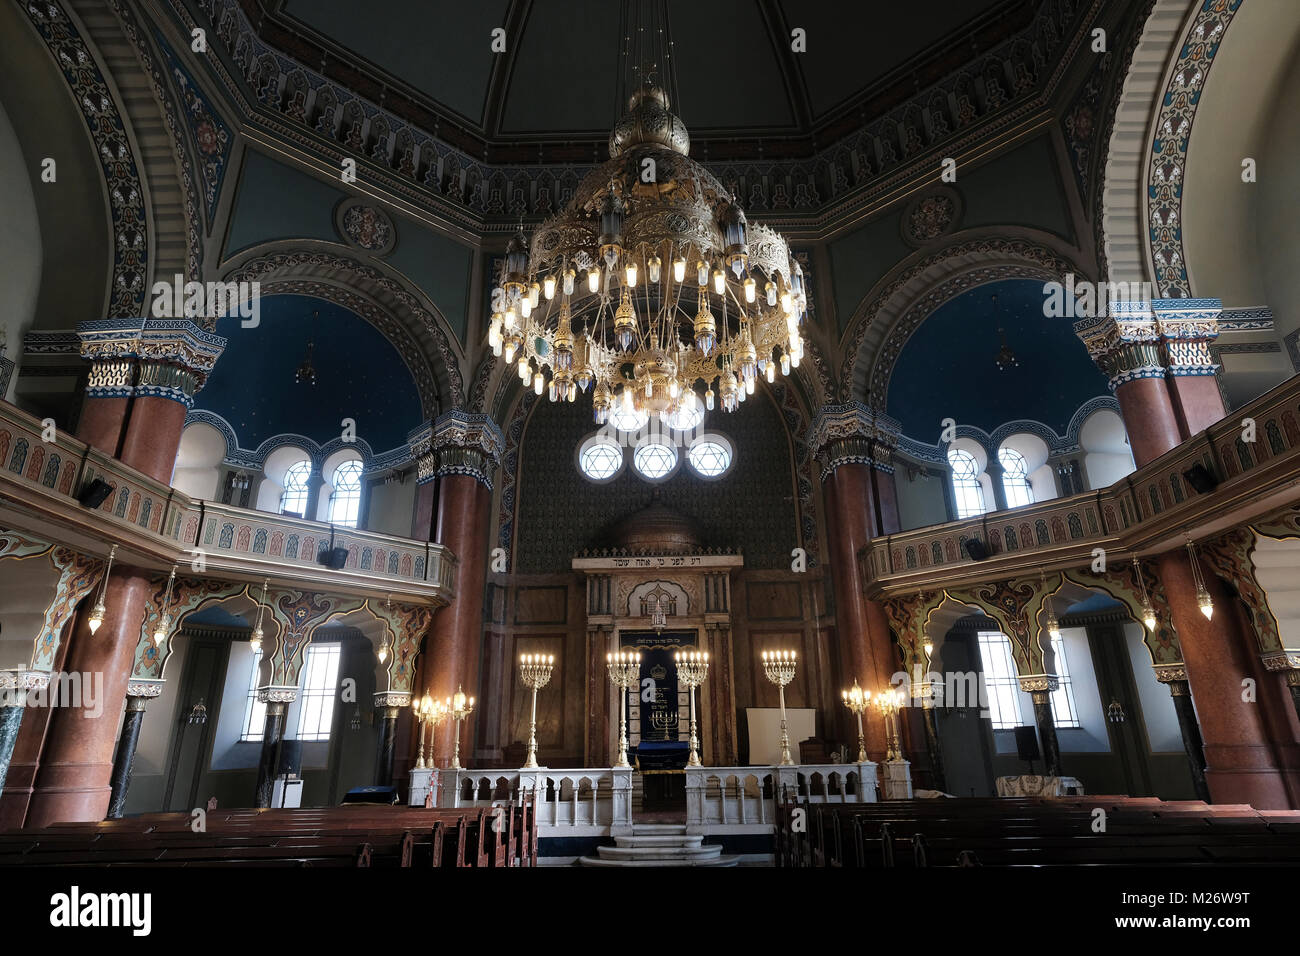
x: 751, y: 507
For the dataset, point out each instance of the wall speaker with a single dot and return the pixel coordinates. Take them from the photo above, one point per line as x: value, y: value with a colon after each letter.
x: 290, y: 757
x: 1027, y: 744
x: 1201, y: 479
x: 977, y: 549
x: 94, y: 492
x: 333, y: 558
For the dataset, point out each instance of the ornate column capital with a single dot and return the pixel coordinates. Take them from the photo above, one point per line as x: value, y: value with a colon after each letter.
x: 277, y: 694
x: 1125, y: 342
x: 457, y: 443
x: 165, y: 358
x: 1187, y: 327
x: 145, y: 689
x: 1039, y: 683
x: 389, y: 698
x: 1282, y: 660
x: 15, y: 682
x: 1171, y: 673
x: 853, y: 433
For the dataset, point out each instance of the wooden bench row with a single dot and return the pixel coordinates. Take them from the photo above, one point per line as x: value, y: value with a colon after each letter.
x: 342, y: 836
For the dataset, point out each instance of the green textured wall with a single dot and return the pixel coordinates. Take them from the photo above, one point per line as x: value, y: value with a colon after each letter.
x: 560, y: 512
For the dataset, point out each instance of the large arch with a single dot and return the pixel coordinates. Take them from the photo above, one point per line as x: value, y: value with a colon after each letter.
x: 414, y: 325
x: 894, y: 308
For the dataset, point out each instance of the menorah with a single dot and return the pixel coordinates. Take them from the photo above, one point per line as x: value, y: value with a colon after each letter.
x: 459, y: 707
x: 624, y: 671
x: 857, y: 700
x: 427, y: 711
x: 535, y: 672
x: 692, y: 669
x: 779, y: 667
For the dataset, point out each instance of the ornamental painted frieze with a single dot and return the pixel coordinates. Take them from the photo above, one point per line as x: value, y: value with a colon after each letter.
x: 212, y: 140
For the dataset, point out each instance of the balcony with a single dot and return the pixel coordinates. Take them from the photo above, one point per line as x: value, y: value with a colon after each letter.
x: 156, y: 525
x: 1148, y: 512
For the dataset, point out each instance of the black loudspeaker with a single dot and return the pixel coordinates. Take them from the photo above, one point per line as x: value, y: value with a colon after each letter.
x: 290, y: 758
x: 1201, y: 479
x: 92, y: 495
x: 977, y: 549
x: 334, y: 558
x: 1026, y: 744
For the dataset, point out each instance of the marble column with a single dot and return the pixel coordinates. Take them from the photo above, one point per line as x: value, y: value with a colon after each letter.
x: 14, y: 686
x: 138, y: 694
x: 1191, y: 733
x: 1187, y: 328
x: 73, y: 782
x: 995, y: 473
x: 388, y: 705
x: 1040, y: 692
x: 850, y: 441
x: 1240, y: 763
x: 277, y: 700
x: 459, y: 450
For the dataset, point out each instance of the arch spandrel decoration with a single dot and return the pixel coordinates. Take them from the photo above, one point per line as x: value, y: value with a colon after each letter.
x: 1122, y: 584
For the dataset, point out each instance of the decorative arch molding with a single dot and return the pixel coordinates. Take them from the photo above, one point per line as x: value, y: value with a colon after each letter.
x: 405, y: 317
x: 991, y: 441
x: 901, y: 301
x: 1146, y: 159
x: 239, y: 457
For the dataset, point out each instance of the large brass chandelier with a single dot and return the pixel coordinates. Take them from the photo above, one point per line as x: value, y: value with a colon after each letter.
x: 649, y: 284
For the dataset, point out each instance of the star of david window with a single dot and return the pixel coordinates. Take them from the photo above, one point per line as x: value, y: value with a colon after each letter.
x: 655, y: 459
x: 710, y: 456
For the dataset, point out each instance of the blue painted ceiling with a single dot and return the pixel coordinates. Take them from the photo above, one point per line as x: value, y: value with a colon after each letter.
x: 359, y: 375
x: 947, y: 370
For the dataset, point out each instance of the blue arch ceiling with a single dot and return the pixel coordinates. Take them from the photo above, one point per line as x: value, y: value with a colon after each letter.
x: 359, y: 375
x: 947, y: 370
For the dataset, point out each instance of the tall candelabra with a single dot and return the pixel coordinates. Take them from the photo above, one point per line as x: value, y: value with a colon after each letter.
x: 535, y: 672
x: 889, y: 701
x: 624, y: 671
x: 459, y: 707
x: 779, y: 666
x: 427, y: 712
x: 858, y: 700
x: 692, y: 669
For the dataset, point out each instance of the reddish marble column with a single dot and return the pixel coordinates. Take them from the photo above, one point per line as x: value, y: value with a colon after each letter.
x: 103, y: 423
x: 1149, y: 418
x: 1197, y: 402
x: 451, y: 653
x: 153, y: 436
x: 77, y: 763
x: 422, y: 522
x: 861, y: 625
x: 1241, y: 765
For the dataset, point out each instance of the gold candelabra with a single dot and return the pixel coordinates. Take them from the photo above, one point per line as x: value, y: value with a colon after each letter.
x: 535, y: 672
x: 427, y: 712
x: 692, y: 669
x: 459, y: 707
x: 624, y: 671
x: 889, y: 701
x: 779, y: 667
x: 858, y: 700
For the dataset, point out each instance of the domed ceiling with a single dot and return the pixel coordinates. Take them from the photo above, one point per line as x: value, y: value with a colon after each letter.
x: 947, y: 368
x: 561, y: 75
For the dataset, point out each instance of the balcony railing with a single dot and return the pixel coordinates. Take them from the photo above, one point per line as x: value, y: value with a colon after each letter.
x: 43, y: 479
x: 1147, y: 511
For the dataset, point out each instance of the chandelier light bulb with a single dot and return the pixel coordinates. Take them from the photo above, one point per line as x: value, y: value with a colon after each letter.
x: 509, y: 350
x: 1149, y: 618
x: 255, y: 639
x: 702, y: 273
x: 751, y: 289
x: 631, y: 275
x: 535, y: 295
x: 539, y: 382
x: 785, y: 363
x: 593, y: 279
x: 567, y: 286
x: 548, y: 287
x: 749, y: 386
x: 719, y: 281
x: 708, y: 399
x: 523, y: 369
x: 573, y: 391
x: 551, y: 394
x: 787, y: 303
x: 653, y: 267
x: 771, y: 372
x: 383, y: 651
x: 770, y: 289
x: 96, y: 616
x: 1205, y: 603
x: 509, y: 319
x: 525, y: 307
x: 160, y: 632
x: 679, y: 270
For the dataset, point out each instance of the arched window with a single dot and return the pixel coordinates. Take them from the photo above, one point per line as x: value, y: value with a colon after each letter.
x: 1000, y: 680
x: 294, y: 498
x: 967, y: 493
x: 1015, y: 478
x: 345, y: 503
x: 1064, y: 713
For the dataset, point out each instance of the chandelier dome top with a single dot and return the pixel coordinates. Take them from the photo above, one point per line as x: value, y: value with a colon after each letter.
x: 649, y: 121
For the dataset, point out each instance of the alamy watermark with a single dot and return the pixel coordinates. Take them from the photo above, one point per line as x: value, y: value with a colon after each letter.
x: 85, y: 691
x: 211, y: 300
x: 1080, y: 299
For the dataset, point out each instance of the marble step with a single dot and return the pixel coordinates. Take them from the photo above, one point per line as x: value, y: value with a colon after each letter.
x: 659, y: 839
x: 658, y: 852
x: 686, y: 861
x: 658, y: 829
